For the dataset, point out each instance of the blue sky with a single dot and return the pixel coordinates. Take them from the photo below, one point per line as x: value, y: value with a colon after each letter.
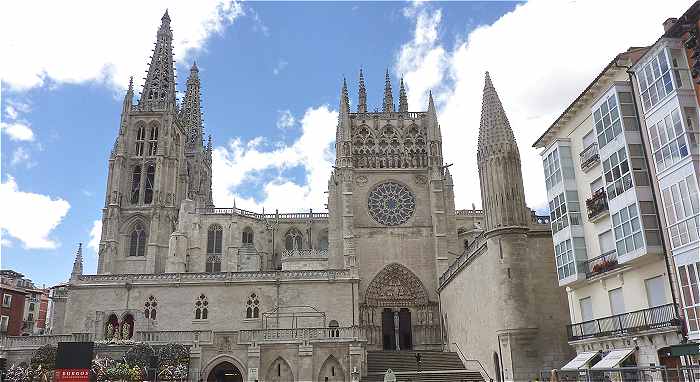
x: 271, y: 74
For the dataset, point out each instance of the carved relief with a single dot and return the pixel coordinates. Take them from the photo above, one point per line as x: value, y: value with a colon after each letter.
x: 421, y: 179
x: 396, y: 285
x: 361, y: 180
x: 389, y: 146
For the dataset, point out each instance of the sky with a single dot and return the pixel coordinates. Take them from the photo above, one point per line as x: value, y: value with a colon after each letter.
x: 271, y: 75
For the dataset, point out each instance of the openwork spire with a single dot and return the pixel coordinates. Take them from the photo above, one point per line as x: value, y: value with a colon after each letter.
x: 498, y: 158
x: 159, y: 88
x: 362, y: 95
x: 388, y: 97
x: 191, y: 112
x: 403, y: 100
x: 78, y: 263
x: 344, y: 100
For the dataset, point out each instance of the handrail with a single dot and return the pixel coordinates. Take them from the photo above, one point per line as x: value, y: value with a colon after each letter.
x: 606, y: 262
x: 465, y: 359
x: 629, y: 322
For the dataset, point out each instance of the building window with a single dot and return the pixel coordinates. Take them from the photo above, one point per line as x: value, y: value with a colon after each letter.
x: 150, y: 179
x: 607, y: 121
x: 153, y: 141
x: 552, y: 169
x: 691, y: 296
x: 135, y: 184
x: 214, y: 234
x: 150, y: 308
x: 565, y: 255
x: 656, y: 291
x: 668, y: 141
x: 333, y: 329
x: 617, y: 301
x: 247, y: 238
x: 293, y: 240
x: 628, y: 230
x: 565, y: 209
x: 31, y: 306
x: 655, y: 80
x: 4, y: 321
x: 681, y: 205
x: 140, y: 138
x: 616, y: 170
x: 137, y: 241
x: 201, y: 308
x: 6, y: 300
x: 252, y: 309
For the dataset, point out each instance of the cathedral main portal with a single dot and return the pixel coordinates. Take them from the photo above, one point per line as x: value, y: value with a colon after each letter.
x: 397, y: 314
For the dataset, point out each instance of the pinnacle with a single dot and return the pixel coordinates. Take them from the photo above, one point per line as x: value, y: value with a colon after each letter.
x: 362, y: 95
x: 494, y: 128
x: 166, y: 16
x: 194, y: 67
x: 388, y: 97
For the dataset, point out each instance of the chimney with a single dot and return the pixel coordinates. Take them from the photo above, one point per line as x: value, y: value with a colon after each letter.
x: 670, y: 22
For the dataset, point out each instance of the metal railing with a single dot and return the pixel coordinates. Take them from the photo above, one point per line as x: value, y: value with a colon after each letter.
x: 589, y: 156
x: 601, y: 264
x: 634, y: 373
x: 597, y: 204
x: 645, y: 319
x: 464, y: 359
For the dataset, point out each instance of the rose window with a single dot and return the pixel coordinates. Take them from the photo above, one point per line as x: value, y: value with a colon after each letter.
x: 391, y: 203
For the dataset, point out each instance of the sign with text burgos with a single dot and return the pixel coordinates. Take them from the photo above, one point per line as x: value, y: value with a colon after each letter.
x: 72, y: 375
x: 73, y: 361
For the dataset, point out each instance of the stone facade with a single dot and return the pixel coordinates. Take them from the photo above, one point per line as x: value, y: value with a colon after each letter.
x: 303, y: 295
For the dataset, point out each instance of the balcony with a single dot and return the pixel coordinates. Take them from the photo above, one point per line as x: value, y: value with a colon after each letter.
x: 589, y: 157
x: 597, y: 205
x: 601, y: 264
x: 663, y: 316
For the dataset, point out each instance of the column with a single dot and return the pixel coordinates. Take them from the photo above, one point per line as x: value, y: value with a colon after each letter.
x: 396, y: 328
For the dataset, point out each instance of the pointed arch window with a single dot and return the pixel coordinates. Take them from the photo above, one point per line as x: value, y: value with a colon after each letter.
x: 293, y: 240
x: 140, y: 138
x: 150, y: 308
x: 247, y: 236
x: 201, y: 308
x: 252, y: 306
x: 112, y: 327
x: 135, y: 184
x: 150, y: 179
x: 153, y: 141
x: 214, y: 250
x: 137, y: 241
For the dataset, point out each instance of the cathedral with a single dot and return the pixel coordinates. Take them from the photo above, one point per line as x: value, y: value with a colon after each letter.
x: 391, y: 266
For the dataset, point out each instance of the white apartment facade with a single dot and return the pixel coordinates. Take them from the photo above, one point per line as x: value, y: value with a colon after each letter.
x: 608, y: 245
x: 666, y: 81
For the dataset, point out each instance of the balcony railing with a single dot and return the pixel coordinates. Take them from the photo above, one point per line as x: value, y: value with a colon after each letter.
x: 589, y: 156
x: 601, y: 264
x: 662, y: 316
x: 597, y: 205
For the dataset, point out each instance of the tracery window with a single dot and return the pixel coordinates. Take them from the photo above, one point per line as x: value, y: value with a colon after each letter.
x: 214, y: 234
x: 201, y: 308
x: 140, y: 138
x: 150, y: 308
x: 247, y: 236
x: 150, y: 178
x: 389, y: 147
x: 137, y: 241
x: 391, y: 203
x: 135, y: 184
x: 293, y: 240
x: 153, y: 141
x: 252, y: 309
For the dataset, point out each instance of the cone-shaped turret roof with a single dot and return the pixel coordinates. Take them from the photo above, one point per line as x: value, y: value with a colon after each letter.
x: 494, y: 128
x: 78, y: 262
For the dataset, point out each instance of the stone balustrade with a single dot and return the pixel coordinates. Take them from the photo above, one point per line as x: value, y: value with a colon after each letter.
x: 305, y: 253
x: 33, y: 342
x: 337, y: 334
x: 320, y: 274
x: 191, y: 337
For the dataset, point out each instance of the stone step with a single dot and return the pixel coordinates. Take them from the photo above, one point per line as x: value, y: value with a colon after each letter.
x: 429, y: 376
x: 405, y: 361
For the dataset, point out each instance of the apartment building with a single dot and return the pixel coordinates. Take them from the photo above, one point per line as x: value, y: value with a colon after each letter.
x: 666, y: 82
x: 607, y: 238
x: 24, y: 306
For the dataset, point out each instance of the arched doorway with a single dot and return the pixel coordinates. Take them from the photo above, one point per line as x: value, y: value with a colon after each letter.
x: 225, y: 372
x: 397, y: 314
x: 331, y: 371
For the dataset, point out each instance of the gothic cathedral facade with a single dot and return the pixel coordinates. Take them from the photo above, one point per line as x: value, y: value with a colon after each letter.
x: 392, y: 265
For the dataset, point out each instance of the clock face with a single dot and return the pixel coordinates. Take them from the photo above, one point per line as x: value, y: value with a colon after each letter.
x: 391, y: 204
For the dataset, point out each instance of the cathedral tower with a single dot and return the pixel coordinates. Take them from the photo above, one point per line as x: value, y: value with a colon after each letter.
x: 498, y: 158
x: 144, y: 189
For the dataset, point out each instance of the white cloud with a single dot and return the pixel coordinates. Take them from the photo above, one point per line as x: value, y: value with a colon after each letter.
x: 70, y: 52
x: 280, y: 66
x: 285, y: 120
x: 29, y: 217
x: 313, y: 151
x: 17, y: 131
x: 20, y: 155
x: 95, y: 235
x: 540, y: 56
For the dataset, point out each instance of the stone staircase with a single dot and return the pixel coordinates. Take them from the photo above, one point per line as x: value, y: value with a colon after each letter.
x: 435, y: 366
